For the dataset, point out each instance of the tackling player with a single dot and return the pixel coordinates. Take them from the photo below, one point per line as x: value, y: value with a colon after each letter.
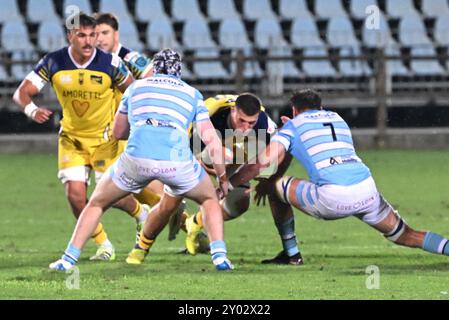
x: 340, y: 184
x: 83, y: 79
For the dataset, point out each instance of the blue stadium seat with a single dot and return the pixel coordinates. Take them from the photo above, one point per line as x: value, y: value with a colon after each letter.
x: 317, y: 68
x: 222, y: 9
x: 329, y: 8
x: 4, y: 76
x: 268, y: 33
x: 41, y: 10
x: 196, y: 35
x: 50, y: 36
x: 232, y: 34
x: 358, y: 7
x: 186, y: 10
x: 285, y: 68
x: 20, y: 71
x: 160, y: 34
x: 292, y: 9
x: 209, y: 69
x: 377, y: 37
x: 412, y: 31
x: 304, y: 33
x: 15, y: 37
x: 400, y: 8
x: 251, y: 69
x: 425, y: 67
x: 442, y: 30
x: 186, y: 74
x: 9, y: 11
x: 258, y: 9
x: 150, y: 10
x: 83, y: 5
x: 352, y: 68
x: 395, y: 67
x: 341, y: 33
x: 118, y: 8
x: 129, y: 35
x: 435, y: 8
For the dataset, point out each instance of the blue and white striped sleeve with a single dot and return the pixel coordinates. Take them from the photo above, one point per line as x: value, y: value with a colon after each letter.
x: 285, y: 136
x: 201, y: 113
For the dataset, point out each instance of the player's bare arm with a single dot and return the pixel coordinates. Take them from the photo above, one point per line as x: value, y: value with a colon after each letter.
x: 213, y: 143
x: 23, y: 98
x: 121, y: 126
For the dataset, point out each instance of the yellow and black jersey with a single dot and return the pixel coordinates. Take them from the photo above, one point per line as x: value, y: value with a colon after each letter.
x: 85, y: 93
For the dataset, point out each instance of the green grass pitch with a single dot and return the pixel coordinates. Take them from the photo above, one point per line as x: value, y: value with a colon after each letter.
x: 36, y: 225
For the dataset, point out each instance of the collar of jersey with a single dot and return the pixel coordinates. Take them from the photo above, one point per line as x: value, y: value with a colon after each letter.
x: 84, y: 66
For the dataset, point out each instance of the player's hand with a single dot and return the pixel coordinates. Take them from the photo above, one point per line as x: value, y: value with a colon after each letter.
x: 263, y: 188
x: 42, y: 115
x: 285, y: 119
x: 223, y: 187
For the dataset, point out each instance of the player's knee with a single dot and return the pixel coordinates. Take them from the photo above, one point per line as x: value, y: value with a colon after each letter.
x: 282, y: 187
x: 236, y: 202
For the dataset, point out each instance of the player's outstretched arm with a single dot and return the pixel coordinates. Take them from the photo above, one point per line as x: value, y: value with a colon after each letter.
x: 274, y: 153
x: 23, y: 98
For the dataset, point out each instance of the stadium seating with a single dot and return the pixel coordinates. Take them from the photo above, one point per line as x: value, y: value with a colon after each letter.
x: 341, y: 33
x: 150, y: 10
x: 10, y: 11
x: 258, y: 9
x: 329, y: 8
x: 41, y: 10
x: 51, y: 36
x: 435, y: 8
x: 15, y: 37
x: 358, y: 7
x: 292, y: 9
x: 160, y: 34
x: 119, y: 8
x: 400, y: 8
x: 270, y: 28
x: 186, y: 10
x: 83, y: 5
x: 196, y: 35
x: 304, y: 33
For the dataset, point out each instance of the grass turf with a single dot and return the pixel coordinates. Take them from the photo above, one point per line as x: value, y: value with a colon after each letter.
x: 36, y: 225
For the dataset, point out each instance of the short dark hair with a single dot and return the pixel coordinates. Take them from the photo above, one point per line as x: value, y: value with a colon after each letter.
x: 249, y: 103
x: 84, y: 19
x: 107, y: 18
x: 306, y: 99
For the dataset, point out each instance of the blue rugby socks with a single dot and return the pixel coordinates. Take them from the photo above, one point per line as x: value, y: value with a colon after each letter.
x: 288, y: 237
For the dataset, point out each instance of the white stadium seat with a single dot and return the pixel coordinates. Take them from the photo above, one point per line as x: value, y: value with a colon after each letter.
x: 425, y: 67
x: 442, y: 30
x: 412, y: 31
x: 435, y: 8
x: 353, y: 67
x: 341, y: 33
x: 196, y: 35
x: 268, y: 33
x: 118, y: 8
x: 232, y: 34
x: 377, y: 37
x: 358, y: 7
x: 83, y: 5
x: 209, y: 69
x: 317, y: 68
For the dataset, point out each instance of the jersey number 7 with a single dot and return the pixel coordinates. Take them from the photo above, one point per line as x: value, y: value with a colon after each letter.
x: 329, y: 124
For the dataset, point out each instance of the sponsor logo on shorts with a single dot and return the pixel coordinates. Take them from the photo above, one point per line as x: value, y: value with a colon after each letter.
x: 355, y: 206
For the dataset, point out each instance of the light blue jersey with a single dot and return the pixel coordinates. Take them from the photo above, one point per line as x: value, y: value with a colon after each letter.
x: 321, y: 140
x: 160, y: 110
